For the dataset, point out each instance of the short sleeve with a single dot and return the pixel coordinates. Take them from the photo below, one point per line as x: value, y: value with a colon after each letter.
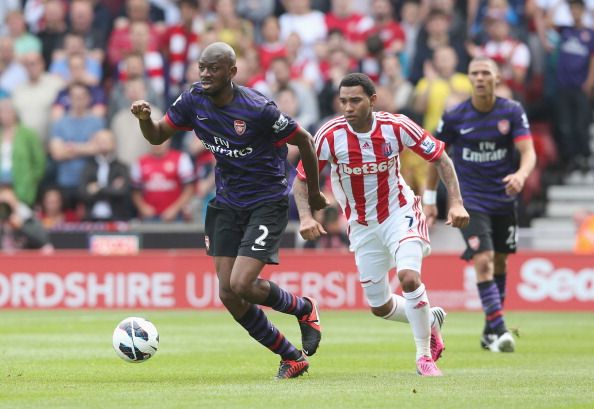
x: 445, y: 130
x: 281, y: 126
x: 185, y: 169
x: 179, y: 114
x: 520, y: 124
x: 419, y: 140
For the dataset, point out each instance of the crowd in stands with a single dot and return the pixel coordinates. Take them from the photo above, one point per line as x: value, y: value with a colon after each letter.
x: 71, y: 151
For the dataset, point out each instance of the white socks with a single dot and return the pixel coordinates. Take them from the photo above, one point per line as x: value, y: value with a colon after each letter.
x: 418, y: 314
x: 398, y: 312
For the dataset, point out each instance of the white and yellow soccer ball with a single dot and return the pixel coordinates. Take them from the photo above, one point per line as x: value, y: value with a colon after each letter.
x: 135, y: 339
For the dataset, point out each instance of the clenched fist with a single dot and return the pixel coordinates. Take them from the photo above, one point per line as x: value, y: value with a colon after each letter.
x: 141, y: 110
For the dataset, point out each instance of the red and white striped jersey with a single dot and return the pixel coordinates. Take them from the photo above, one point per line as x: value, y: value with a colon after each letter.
x: 365, y: 167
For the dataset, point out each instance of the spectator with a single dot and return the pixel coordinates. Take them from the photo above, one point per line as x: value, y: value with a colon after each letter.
x: 79, y: 74
x: 433, y: 35
x: 440, y: 87
x: 575, y: 79
x: 12, y: 72
x: 257, y: 12
x: 309, y: 25
x: 24, y: 42
x: 232, y: 29
x: 411, y: 23
x: 154, y: 66
x: 18, y: 226
x: 75, y: 44
x: 395, y: 81
x: 512, y: 56
x: 181, y: 46
x: 119, y: 42
x: 271, y: 46
x: 54, y: 29
x: 280, y: 78
x: 82, y: 15
x: 386, y: 27
x: 33, y: 100
x: 339, y: 66
x: 105, y: 182
x: 350, y: 23
x: 22, y: 158
x: 132, y: 68
x: 130, y: 145
x: 52, y: 212
x: 6, y: 6
x: 162, y: 183
x: 72, y: 142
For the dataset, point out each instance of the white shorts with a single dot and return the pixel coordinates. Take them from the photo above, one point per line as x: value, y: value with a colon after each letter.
x: 375, y: 245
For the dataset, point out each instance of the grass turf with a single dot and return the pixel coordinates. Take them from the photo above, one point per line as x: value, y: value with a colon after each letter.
x: 64, y: 359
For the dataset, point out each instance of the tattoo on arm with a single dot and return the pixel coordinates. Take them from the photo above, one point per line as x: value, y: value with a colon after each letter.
x: 301, y: 198
x: 446, y: 171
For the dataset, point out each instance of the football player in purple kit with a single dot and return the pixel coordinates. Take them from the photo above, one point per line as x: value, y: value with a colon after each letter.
x: 247, y: 134
x: 484, y: 134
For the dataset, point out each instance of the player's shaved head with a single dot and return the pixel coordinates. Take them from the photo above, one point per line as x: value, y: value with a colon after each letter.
x: 487, y: 60
x: 219, y: 51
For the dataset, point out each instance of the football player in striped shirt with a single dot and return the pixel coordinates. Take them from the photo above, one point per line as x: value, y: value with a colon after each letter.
x: 386, y: 225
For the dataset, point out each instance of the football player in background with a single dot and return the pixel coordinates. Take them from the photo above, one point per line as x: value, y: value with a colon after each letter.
x: 485, y: 133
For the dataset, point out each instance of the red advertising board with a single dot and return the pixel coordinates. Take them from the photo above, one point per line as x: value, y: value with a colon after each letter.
x: 186, y: 279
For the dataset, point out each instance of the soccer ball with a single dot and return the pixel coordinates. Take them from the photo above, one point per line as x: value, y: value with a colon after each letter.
x: 135, y: 339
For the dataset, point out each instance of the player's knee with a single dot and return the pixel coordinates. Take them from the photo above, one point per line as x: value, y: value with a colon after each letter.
x: 409, y: 280
x: 241, y: 287
x: 227, y: 296
x: 483, y: 264
x: 381, y: 311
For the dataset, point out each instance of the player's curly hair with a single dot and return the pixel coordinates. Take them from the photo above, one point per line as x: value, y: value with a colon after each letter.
x: 357, y: 78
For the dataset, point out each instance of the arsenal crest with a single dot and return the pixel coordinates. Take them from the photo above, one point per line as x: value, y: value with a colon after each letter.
x: 503, y: 126
x: 239, y: 126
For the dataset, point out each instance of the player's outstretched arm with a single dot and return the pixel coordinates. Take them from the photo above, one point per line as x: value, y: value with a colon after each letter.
x: 309, y: 228
x: 154, y: 132
x: 304, y: 141
x: 457, y: 214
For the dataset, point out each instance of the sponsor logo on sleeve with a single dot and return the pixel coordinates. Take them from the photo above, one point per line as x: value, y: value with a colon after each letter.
x: 280, y: 124
x: 428, y: 145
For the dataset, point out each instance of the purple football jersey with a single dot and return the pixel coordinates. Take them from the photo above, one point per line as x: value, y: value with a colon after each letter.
x: 248, y: 139
x: 483, y: 151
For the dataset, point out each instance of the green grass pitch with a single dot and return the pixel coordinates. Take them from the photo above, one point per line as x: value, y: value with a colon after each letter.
x: 64, y: 359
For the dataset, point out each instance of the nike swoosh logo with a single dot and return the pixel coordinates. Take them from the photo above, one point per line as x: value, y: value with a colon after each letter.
x: 466, y: 130
x: 254, y: 248
x: 200, y: 118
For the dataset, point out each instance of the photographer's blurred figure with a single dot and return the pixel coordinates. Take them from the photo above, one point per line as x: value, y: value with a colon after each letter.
x: 19, y: 229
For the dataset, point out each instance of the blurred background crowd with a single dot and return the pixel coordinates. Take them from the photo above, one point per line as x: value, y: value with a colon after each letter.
x: 71, y: 152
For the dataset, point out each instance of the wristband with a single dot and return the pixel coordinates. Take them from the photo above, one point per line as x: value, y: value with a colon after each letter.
x: 430, y: 197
